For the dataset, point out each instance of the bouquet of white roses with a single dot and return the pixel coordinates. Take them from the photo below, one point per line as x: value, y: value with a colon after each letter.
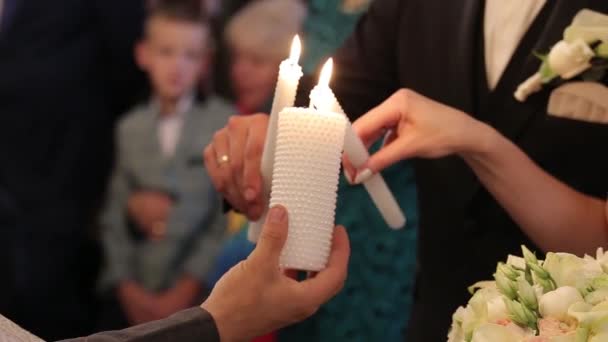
x: 561, y: 299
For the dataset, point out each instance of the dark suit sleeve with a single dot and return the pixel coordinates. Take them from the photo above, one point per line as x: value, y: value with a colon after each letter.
x: 365, y: 71
x: 194, y: 325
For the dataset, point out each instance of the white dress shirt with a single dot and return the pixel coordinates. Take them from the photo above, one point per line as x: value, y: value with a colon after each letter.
x: 170, y: 126
x: 505, y: 23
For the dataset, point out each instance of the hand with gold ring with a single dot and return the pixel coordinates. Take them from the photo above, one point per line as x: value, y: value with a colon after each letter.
x: 233, y: 162
x: 223, y: 159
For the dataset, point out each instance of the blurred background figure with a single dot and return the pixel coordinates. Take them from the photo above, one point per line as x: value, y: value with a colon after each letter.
x: 259, y: 37
x: 163, y: 221
x: 66, y: 72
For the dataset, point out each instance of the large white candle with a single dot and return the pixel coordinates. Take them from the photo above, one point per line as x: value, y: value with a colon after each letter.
x: 305, y: 180
x: 323, y: 98
x: 285, y: 95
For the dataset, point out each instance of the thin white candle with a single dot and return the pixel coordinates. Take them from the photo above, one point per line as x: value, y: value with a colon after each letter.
x: 323, y: 98
x: 285, y: 95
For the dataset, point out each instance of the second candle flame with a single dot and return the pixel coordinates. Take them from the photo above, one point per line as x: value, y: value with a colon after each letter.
x: 296, y: 50
x: 326, y: 73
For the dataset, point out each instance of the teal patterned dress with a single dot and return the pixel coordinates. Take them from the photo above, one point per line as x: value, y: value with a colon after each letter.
x: 375, y: 302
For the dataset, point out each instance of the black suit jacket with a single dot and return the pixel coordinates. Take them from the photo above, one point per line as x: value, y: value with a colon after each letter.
x: 436, y: 48
x: 67, y: 71
x: 194, y: 325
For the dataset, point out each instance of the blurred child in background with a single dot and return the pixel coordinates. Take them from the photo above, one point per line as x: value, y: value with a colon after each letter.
x: 163, y: 221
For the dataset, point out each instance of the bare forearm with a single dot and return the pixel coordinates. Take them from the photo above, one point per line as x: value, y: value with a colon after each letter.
x: 552, y: 214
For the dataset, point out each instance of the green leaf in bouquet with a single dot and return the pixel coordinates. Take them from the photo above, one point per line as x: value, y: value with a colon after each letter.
x: 521, y: 315
x: 528, y: 275
x: 596, y: 296
x: 508, y: 271
x: 546, y: 73
x: 526, y: 294
x: 602, y: 50
x: 506, y: 286
x: 528, y: 255
x: 600, y: 282
x: 539, y: 271
x: 597, y: 292
x: 582, y: 334
x: 548, y: 285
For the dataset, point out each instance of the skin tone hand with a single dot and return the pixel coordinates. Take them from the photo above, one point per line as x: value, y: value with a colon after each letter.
x: 256, y: 296
x: 239, y: 178
x: 181, y: 296
x: 420, y: 128
x: 136, y: 302
x: 150, y: 211
x: 547, y: 210
x: 143, y: 306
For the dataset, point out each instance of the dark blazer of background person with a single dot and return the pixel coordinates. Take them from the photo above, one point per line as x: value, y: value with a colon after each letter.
x: 66, y: 71
x: 435, y: 47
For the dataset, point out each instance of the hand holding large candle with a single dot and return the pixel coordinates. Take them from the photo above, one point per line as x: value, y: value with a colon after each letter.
x: 285, y: 95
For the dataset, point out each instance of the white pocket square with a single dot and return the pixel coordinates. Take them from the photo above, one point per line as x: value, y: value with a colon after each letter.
x: 585, y: 101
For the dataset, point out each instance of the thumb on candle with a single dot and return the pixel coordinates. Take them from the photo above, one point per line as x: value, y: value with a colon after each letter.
x: 273, y: 237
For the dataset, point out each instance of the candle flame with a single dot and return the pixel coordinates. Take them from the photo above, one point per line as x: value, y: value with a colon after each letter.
x: 326, y: 73
x: 296, y: 49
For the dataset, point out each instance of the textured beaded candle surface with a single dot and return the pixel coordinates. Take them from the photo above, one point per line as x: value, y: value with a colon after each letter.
x: 305, y: 181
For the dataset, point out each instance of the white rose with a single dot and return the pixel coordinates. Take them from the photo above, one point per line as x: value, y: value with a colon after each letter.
x: 456, y: 333
x: 556, y: 303
x: 497, y: 310
x: 589, y: 26
x: 570, y: 270
x: 516, y: 261
x: 595, y: 318
x: 570, y: 59
x: 601, y: 256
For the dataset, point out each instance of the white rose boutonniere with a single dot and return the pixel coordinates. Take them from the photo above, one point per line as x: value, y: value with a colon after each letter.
x: 583, y: 52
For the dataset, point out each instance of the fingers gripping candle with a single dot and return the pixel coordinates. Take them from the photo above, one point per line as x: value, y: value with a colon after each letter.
x: 285, y: 95
x: 305, y: 180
